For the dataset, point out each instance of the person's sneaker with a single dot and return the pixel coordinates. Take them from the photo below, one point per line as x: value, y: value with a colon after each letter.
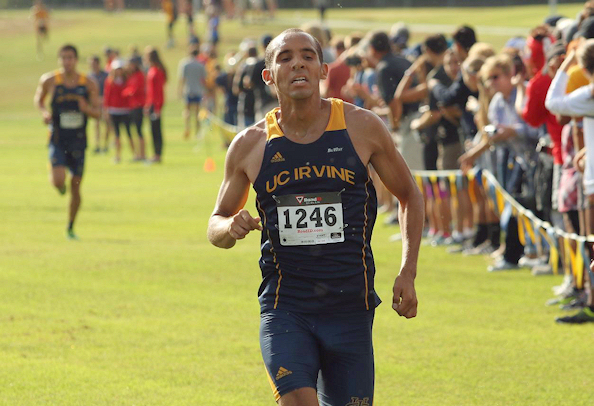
x: 540, y: 270
x: 562, y: 300
x: 457, y: 249
x: 576, y: 304
x: 71, y: 236
x: 530, y: 262
x: 583, y: 316
x: 565, y: 288
x: 97, y: 151
x: 453, y: 240
x: 483, y: 249
x: 441, y: 240
x: 502, y: 265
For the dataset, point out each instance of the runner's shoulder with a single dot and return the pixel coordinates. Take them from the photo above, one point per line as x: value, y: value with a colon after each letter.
x: 246, y: 142
x: 48, y: 78
x: 363, y: 123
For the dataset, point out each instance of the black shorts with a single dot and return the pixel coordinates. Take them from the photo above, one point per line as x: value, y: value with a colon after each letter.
x: 332, y: 353
x: 73, y: 159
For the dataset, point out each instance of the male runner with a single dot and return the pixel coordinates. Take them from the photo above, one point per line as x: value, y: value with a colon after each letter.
x: 308, y: 161
x: 40, y: 15
x: 74, y: 98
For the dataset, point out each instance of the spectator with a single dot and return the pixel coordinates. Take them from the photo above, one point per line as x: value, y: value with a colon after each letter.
x: 155, y: 98
x: 192, y: 79
x: 244, y: 88
x: 99, y: 76
x: 136, y: 94
x: 117, y: 105
x: 579, y: 103
x: 338, y: 74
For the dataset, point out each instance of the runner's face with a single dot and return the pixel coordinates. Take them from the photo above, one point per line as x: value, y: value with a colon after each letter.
x: 296, y: 68
x: 68, y: 60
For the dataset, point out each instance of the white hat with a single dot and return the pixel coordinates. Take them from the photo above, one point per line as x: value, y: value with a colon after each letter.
x: 117, y: 64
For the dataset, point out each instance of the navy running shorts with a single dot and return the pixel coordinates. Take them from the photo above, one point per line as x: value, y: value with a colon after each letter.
x: 193, y: 99
x: 73, y: 159
x: 332, y: 353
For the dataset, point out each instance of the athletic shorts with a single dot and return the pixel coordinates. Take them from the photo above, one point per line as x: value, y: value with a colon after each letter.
x: 332, y: 353
x: 193, y: 99
x: 73, y: 159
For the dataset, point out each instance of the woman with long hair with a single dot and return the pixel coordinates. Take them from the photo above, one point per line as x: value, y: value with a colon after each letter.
x: 156, y: 78
x: 117, y: 105
x: 135, y: 92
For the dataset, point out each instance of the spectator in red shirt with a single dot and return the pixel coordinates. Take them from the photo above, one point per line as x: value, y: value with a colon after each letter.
x: 136, y: 94
x: 155, y: 84
x: 117, y: 105
x: 536, y: 114
x: 338, y: 74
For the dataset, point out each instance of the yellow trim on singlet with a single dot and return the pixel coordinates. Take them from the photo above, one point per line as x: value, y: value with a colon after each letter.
x: 336, y: 121
x: 82, y: 79
x: 58, y: 79
x: 272, y: 128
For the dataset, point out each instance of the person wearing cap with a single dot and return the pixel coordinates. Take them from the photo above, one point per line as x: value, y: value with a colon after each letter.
x: 136, y: 95
x: 118, y: 106
x: 191, y: 82
x: 73, y: 100
x: 399, y: 36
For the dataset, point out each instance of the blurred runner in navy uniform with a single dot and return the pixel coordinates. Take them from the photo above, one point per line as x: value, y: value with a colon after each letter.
x: 74, y: 98
x: 308, y: 163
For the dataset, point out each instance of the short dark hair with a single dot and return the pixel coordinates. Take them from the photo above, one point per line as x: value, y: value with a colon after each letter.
x: 436, y: 43
x: 380, y: 42
x: 465, y: 36
x: 68, y: 47
x: 271, y: 47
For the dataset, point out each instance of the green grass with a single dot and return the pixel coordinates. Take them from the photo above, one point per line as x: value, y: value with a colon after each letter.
x: 143, y: 311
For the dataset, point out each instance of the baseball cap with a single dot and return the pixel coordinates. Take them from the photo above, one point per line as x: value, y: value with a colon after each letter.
x: 399, y: 34
x: 117, y: 64
x: 587, y: 28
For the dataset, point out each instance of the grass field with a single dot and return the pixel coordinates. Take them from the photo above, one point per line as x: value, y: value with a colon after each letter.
x: 143, y: 311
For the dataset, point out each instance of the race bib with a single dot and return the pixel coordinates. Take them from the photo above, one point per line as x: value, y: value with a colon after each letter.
x: 71, y: 120
x: 310, y: 218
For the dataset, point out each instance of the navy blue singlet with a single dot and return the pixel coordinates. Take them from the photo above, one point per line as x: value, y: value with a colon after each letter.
x: 68, y: 122
x: 318, y: 207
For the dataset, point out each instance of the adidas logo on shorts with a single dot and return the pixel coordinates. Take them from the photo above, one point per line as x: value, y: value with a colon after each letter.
x: 282, y: 372
x: 277, y: 158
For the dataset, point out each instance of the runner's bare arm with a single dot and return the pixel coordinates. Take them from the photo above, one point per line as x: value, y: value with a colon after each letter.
x: 43, y: 88
x: 375, y: 142
x: 93, y: 108
x: 229, y: 222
